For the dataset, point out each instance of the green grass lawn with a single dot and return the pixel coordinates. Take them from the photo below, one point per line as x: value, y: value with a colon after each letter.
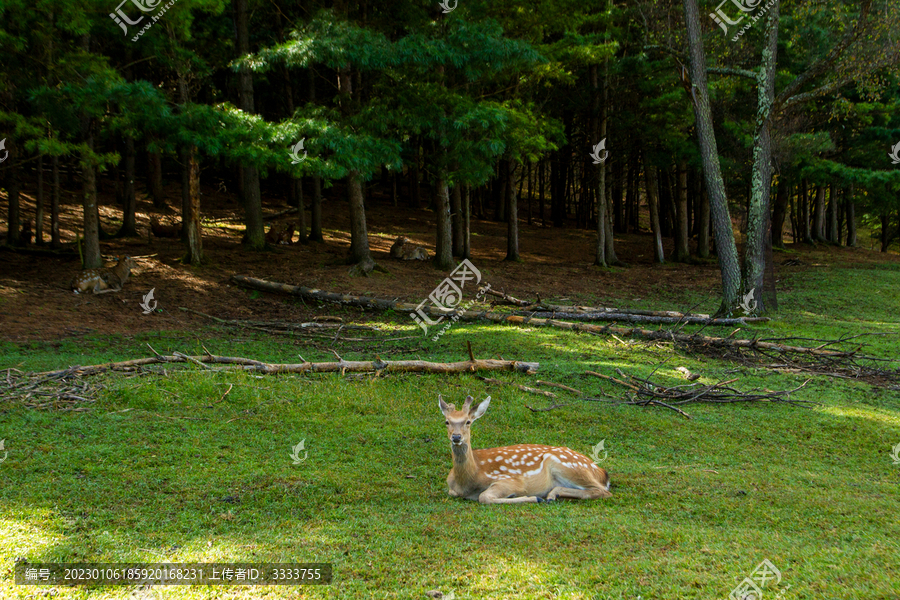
x: 172, y: 469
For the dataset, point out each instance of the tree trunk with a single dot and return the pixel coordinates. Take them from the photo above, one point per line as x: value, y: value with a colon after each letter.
x: 512, y: 204
x: 779, y: 212
x: 885, y: 231
x: 653, y: 201
x: 703, y: 225
x: 618, y: 174
x: 725, y: 245
x: 156, y: 182
x: 456, y: 217
x: 315, y: 225
x: 92, y: 258
x: 851, y: 218
x: 191, y: 219
x: 833, y: 231
x: 805, y: 223
x: 759, y: 216
x: 301, y: 212
x: 443, y: 251
x: 255, y: 236
x: 359, y: 237
x: 415, y: 200
x: 39, y: 204
x: 54, y: 205
x: 682, y: 235
x: 13, y: 231
x: 818, y: 233
x: 467, y: 213
x: 541, y: 193
x: 129, y: 201
x: 599, y: 110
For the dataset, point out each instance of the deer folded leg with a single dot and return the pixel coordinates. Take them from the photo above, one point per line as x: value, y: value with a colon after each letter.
x: 505, y: 492
x: 588, y: 494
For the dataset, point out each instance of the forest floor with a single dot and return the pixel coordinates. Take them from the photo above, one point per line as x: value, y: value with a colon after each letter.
x: 37, y: 304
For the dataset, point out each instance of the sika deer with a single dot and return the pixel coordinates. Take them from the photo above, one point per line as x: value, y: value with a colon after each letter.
x: 515, y: 474
x: 101, y: 281
x: 404, y: 249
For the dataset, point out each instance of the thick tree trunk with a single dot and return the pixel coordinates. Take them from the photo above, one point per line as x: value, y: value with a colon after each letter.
x: 512, y: 204
x: 54, y: 205
x: 653, y: 201
x: 703, y: 225
x: 301, y: 211
x: 129, y: 201
x: 443, y: 251
x: 851, y: 218
x: 315, y: 224
x: 92, y: 258
x: 456, y: 218
x: 725, y: 245
x: 779, y: 212
x: 805, y: 223
x: 759, y: 216
x: 359, y: 237
x: 256, y: 236
x: 682, y: 229
x: 156, y: 180
x: 600, y: 112
x: 191, y: 219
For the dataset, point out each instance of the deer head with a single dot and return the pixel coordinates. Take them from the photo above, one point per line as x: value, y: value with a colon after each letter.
x: 459, y: 422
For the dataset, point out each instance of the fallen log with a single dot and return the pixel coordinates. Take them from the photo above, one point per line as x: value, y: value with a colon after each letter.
x: 341, y: 366
x: 686, y: 339
x: 631, y: 317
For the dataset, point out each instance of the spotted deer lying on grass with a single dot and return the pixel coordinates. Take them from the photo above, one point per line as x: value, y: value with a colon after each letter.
x: 101, y: 281
x: 515, y: 474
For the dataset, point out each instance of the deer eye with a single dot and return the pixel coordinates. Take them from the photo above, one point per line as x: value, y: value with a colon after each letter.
x: 468, y: 422
x: 446, y: 422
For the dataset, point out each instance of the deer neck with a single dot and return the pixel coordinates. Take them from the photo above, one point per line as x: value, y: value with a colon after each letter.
x: 465, y: 465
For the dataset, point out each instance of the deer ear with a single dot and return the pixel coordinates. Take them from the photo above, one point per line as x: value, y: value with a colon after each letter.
x: 468, y: 405
x: 445, y: 408
x: 481, y: 409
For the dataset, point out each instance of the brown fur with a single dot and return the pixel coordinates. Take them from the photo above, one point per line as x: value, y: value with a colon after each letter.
x: 164, y: 231
x: 101, y: 281
x: 529, y: 473
x: 281, y: 234
x: 27, y: 233
x: 404, y: 249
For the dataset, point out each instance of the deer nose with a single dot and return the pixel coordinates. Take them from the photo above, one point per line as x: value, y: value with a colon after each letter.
x: 456, y: 438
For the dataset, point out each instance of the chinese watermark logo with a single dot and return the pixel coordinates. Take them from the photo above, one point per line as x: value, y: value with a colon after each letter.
x: 301, y: 447
x: 895, y: 454
x: 5, y: 453
x: 745, y: 6
x: 596, y: 153
x: 595, y: 452
x: 296, y: 159
x: 894, y: 154
x: 5, y: 151
x: 748, y: 304
x: 445, y: 4
x: 751, y: 588
x: 148, y: 298
x: 145, y: 6
x: 447, y: 296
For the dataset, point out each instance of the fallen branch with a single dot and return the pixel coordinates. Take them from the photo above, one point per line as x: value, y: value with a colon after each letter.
x: 629, y: 317
x: 648, y: 393
x: 341, y: 366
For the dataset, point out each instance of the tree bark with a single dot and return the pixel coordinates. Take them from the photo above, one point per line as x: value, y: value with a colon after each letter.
x: 851, y: 218
x: 92, y: 258
x: 129, y: 201
x: 758, y: 220
x: 191, y: 220
x: 443, y: 251
x: 725, y: 245
x: 703, y: 225
x: 653, y: 200
x: 833, y: 231
x: 39, y: 204
x: 467, y: 213
x: 805, y: 223
x: 599, y: 112
x: 156, y: 182
x: 256, y: 236
x: 818, y: 233
x: 359, y: 237
x: 682, y: 235
x: 315, y: 225
x: 512, y: 204
x: 456, y: 217
x: 779, y: 213
x: 54, y: 205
